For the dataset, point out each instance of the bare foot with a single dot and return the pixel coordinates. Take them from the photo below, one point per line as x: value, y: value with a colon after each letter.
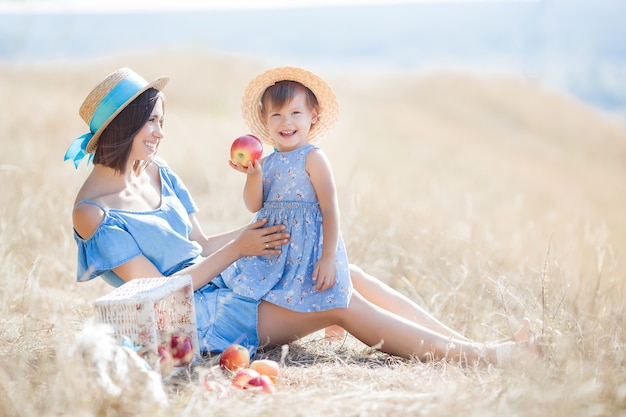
x: 504, y: 351
x: 524, y: 334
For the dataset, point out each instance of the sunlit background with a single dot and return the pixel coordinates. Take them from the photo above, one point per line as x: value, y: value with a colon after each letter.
x: 577, y: 46
x: 480, y: 163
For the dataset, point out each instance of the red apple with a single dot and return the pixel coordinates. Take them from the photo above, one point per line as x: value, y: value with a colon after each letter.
x: 241, y: 378
x: 245, y: 149
x: 181, y: 349
x: 166, y: 361
x: 261, y: 383
x: 266, y: 367
x: 235, y: 357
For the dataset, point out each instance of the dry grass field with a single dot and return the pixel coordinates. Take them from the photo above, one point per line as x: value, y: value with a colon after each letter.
x: 485, y: 200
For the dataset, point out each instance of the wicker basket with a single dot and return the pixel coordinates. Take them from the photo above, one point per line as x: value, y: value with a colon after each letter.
x: 149, y: 310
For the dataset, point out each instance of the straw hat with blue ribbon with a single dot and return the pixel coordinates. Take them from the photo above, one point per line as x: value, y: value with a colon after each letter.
x: 105, y: 102
x: 251, y: 101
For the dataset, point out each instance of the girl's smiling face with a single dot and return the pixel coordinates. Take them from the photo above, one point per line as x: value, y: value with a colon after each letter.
x: 289, y: 125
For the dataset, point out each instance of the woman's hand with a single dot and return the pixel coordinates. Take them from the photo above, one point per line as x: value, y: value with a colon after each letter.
x: 256, y: 240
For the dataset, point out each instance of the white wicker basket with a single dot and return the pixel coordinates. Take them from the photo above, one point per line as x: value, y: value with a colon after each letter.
x: 148, y: 310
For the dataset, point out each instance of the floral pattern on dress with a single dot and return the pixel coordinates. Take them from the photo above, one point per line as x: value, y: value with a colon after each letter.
x: 286, y: 280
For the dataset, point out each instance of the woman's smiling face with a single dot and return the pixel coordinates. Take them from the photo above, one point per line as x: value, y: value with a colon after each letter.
x: 147, y: 140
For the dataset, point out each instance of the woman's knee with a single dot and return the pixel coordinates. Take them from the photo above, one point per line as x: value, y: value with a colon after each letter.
x: 355, y: 270
x: 357, y: 275
x: 364, y: 283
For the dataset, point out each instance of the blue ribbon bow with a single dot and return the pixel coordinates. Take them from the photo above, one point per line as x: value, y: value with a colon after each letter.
x: 78, y: 150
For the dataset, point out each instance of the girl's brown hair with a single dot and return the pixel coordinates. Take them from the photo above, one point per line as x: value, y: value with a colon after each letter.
x: 283, y: 92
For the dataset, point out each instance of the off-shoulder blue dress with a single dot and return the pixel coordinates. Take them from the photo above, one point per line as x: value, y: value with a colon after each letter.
x: 162, y: 236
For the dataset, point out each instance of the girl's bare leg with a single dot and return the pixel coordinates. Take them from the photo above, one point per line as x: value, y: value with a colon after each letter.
x: 374, y: 326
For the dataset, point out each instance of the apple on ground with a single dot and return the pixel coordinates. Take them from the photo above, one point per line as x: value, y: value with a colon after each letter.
x: 243, y: 376
x: 245, y: 149
x: 261, y: 383
x: 266, y: 367
x: 235, y: 357
x: 181, y: 349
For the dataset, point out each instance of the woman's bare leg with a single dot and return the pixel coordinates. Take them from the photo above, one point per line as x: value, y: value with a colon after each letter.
x: 372, y: 325
x: 381, y: 294
x: 391, y: 300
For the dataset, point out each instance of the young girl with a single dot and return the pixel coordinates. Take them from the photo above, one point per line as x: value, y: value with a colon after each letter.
x: 290, y: 109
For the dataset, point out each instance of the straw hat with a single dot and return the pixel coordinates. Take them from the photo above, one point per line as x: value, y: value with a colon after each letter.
x: 251, y: 101
x: 105, y: 102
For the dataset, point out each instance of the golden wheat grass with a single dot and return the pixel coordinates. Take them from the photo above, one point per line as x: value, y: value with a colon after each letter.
x: 483, y: 199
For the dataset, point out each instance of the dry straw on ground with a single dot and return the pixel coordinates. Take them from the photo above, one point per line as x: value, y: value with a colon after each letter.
x: 484, y: 199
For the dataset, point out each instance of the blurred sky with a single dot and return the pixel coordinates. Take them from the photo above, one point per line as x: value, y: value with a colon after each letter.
x: 116, y: 5
x: 573, y: 45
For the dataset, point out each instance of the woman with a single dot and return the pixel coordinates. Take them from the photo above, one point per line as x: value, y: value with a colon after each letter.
x: 133, y: 217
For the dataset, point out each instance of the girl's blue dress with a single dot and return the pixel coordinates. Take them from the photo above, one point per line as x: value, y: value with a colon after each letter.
x: 286, y: 280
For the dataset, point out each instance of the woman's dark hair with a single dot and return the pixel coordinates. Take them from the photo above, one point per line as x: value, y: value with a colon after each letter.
x: 116, y: 141
x: 283, y: 92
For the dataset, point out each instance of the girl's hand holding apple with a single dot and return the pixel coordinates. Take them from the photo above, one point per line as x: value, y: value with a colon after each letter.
x: 252, y: 167
x: 245, y: 151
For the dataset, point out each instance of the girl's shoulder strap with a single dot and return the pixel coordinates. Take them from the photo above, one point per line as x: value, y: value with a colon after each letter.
x: 310, y: 146
x: 306, y: 150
